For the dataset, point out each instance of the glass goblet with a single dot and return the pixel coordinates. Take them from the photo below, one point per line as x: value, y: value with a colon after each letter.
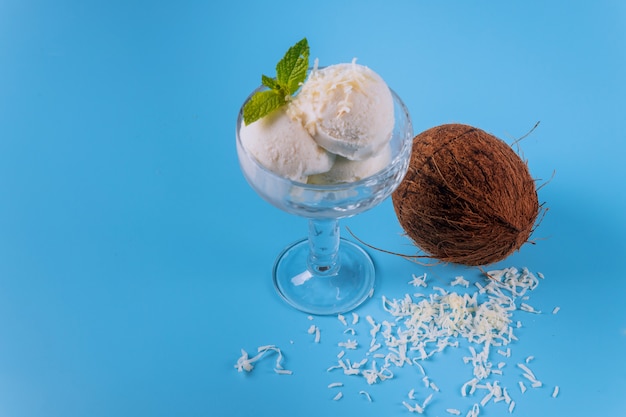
x: 325, y: 274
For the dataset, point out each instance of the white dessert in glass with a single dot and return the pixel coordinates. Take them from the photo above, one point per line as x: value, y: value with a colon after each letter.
x: 340, y: 147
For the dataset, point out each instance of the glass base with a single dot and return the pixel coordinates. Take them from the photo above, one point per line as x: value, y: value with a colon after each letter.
x: 338, y: 292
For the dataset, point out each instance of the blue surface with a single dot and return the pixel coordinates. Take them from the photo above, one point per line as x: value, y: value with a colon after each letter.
x: 135, y: 261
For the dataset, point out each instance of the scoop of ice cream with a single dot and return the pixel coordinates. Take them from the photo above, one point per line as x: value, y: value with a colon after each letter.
x: 282, y: 145
x: 344, y: 170
x: 347, y: 108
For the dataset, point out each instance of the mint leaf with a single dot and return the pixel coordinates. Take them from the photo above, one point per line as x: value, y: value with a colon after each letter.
x: 291, y: 70
x: 270, y: 82
x: 261, y: 104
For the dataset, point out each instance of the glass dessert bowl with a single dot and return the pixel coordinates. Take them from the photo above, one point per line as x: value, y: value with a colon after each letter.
x: 324, y: 273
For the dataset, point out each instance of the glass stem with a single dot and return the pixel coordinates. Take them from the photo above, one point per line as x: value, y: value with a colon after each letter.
x: 323, y: 246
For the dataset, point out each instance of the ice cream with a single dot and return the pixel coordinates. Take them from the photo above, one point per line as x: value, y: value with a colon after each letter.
x: 335, y: 130
x: 347, y: 108
x: 345, y: 170
x: 284, y: 146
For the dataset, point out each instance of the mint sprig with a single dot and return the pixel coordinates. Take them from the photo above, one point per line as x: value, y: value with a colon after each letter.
x: 290, y: 73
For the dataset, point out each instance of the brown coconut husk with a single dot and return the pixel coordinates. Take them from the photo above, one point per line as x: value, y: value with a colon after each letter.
x: 467, y: 197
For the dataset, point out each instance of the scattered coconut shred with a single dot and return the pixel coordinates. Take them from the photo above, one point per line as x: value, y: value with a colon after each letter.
x: 245, y: 363
x: 424, y: 325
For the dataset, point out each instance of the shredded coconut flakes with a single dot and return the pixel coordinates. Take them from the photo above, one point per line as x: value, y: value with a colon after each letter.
x: 424, y: 325
x: 367, y: 395
x: 245, y: 362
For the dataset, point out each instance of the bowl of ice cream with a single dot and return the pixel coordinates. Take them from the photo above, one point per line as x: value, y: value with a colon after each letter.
x: 304, y: 161
x: 341, y: 146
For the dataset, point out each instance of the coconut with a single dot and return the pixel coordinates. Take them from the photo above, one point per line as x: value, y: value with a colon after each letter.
x: 467, y: 197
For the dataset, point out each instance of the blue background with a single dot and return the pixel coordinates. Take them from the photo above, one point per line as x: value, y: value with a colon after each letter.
x: 135, y: 261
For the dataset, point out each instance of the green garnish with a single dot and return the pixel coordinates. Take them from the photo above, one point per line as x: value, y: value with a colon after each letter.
x: 290, y: 73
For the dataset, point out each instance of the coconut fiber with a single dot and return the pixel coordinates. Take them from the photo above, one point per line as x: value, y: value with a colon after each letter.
x: 467, y: 197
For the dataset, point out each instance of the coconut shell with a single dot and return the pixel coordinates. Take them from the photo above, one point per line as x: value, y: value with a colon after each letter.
x: 467, y: 197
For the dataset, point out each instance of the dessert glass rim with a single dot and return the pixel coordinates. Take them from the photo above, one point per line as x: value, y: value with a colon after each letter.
x: 324, y: 187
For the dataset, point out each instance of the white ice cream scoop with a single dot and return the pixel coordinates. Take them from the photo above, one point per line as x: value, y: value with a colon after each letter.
x: 344, y: 170
x: 347, y: 108
x: 282, y: 145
